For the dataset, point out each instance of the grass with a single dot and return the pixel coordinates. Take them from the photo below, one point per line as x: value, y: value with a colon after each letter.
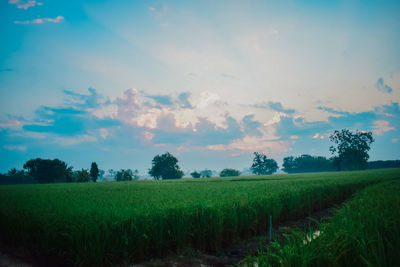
x: 118, y: 223
x: 364, y: 232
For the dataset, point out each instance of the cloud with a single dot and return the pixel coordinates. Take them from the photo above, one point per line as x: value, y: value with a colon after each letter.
x: 25, y: 4
x: 93, y: 100
x: 41, y: 20
x: 162, y: 99
x: 15, y: 147
x: 381, y: 86
x: 251, y: 126
x: 333, y: 111
x: 381, y: 126
x: 73, y: 118
x: 184, y: 100
x: 276, y: 106
x: 10, y: 123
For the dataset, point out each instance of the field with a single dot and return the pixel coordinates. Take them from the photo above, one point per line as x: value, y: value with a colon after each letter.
x: 364, y: 232
x: 125, y: 222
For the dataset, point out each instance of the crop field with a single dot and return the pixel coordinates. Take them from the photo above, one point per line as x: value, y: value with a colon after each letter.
x: 364, y: 232
x: 119, y: 223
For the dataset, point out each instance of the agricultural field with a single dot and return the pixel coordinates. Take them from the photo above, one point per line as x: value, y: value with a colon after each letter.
x: 101, y: 224
x: 364, y: 232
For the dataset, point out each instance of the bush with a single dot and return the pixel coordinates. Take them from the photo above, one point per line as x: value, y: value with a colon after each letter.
x: 229, y: 173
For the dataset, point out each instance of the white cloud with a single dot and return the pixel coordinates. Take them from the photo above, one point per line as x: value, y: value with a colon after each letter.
x: 70, y: 141
x: 15, y: 147
x: 381, y: 126
x: 25, y: 4
x: 41, y: 20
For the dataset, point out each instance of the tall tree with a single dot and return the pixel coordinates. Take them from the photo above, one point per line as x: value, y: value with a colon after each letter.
x: 47, y: 171
x: 165, y: 166
x: 351, y: 149
x: 94, y: 171
x: 262, y: 165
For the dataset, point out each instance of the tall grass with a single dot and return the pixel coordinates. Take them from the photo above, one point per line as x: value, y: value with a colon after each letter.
x: 109, y: 223
x: 364, y: 232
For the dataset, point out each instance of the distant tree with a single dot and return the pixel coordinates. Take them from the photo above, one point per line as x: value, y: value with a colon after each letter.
x: 206, y: 173
x: 229, y: 173
x: 94, y: 171
x: 306, y: 163
x: 195, y: 174
x: 83, y: 176
x: 48, y: 171
x: 351, y: 149
x: 15, y: 176
x: 380, y: 164
x: 165, y: 166
x: 124, y: 175
x: 262, y: 165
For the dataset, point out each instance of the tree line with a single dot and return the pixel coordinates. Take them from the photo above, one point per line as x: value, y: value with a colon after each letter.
x: 349, y: 152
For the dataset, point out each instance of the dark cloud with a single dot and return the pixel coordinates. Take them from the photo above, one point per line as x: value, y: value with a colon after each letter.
x: 251, y: 127
x: 277, y: 106
x: 381, y: 86
x: 164, y: 100
x: 333, y: 111
x: 93, y: 100
x: 184, y: 102
x: 72, y: 118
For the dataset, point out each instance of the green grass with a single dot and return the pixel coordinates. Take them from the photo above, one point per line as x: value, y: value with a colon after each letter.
x: 110, y: 223
x: 364, y: 232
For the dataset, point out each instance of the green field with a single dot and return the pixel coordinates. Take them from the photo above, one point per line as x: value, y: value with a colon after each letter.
x: 111, y: 223
x: 364, y: 232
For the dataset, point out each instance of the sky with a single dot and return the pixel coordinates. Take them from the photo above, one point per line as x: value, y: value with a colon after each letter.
x: 118, y: 82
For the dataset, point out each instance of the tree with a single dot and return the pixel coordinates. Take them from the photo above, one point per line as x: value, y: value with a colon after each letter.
x: 165, y: 167
x: 306, y: 163
x: 83, y: 176
x: 195, y: 174
x: 206, y: 173
x: 124, y: 175
x: 262, y: 165
x: 47, y: 171
x: 229, y: 173
x: 351, y: 149
x: 94, y: 171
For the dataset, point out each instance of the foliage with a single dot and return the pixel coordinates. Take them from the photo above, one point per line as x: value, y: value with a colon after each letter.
x: 48, y: 171
x: 82, y: 176
x: 94, y: 171
x: 229, y: 173
x: 124, y: 175
x: 15, y: 176
x: 307, y: 163
x: 165, y: 166
x: 195, y: 174
x: 262, y: 165
x: 95, y: 224
x: 380, y: 164
x: 364, y: 232
x: 351, y: 148
x: 206, y: 173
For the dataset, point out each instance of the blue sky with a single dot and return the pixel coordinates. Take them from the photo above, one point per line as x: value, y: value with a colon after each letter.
x: 118, y: 82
